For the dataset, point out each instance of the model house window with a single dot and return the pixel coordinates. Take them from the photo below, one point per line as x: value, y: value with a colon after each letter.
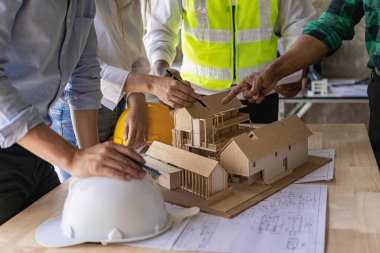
x: 254, y: 164
x: 262, y: 174
x: 285, y: 163
x: 252, y: 136
x: 290, y: 147
x: 275, y: 153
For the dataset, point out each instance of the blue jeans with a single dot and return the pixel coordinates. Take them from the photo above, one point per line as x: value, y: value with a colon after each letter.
x: 62, y: 124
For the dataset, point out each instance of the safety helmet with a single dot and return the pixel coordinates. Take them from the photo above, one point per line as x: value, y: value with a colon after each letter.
x: 105, y: 210
x: 161, y: 123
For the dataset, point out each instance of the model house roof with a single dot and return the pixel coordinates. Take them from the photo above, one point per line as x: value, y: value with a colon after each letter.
x: 263, y: 141
x: 160, y: 166
x: 197, y: 111
x: 182, y: 159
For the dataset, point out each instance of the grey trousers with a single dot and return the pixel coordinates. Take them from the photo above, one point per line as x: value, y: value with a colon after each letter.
x: 24, y: 178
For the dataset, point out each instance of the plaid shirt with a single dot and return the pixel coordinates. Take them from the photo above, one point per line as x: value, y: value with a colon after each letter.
x: 337, y: 24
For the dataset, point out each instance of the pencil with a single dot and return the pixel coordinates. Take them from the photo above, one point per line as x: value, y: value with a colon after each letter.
x: 179, y: 80
x: 147, y: 168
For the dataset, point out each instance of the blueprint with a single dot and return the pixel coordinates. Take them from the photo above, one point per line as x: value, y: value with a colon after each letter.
x: 324, y: 173
x: 292, y: 220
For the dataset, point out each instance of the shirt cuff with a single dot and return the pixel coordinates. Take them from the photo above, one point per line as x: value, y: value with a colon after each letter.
x: 14, y: 130
x: 160, y: 55
x: 86, y: 101
x: 111, y: 85
x: 325, y: 34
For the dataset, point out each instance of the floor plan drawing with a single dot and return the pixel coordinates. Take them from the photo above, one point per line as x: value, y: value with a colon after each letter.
x: 294, y: 218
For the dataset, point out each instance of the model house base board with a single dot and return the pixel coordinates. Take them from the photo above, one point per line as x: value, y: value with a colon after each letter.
x: 242, y: 196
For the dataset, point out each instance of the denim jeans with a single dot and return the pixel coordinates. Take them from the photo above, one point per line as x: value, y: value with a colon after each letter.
x: 62, y: 124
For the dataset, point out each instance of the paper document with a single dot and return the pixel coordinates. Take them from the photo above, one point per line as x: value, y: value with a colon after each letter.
x: 289, y: 79
x: 358, y: 90
x: 344, y: 81
x: 324, y: 173
x: 292, y: 220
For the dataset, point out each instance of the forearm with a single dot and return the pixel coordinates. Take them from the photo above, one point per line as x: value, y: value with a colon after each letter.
x: 140, y: 83
x: 85, y: 124
x: 136, y: 99
x: 306, y: 51
x: 45, y: 143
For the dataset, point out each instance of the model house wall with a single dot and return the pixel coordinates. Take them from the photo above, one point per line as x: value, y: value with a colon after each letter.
x: 218, y: 184
x: 170, y: 176
x: 268, y: 153
x: 199, y: 175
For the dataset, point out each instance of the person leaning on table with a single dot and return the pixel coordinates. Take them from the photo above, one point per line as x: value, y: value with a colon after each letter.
x: 38, y: 57
x: 225, y: 41
x: 119, y: 28
x: 321, y: 38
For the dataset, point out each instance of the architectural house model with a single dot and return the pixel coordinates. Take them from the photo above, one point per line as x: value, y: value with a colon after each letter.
x: 267, y: 154
x: 201, y: 176
x: 205, y: 131
x: 224, y: 168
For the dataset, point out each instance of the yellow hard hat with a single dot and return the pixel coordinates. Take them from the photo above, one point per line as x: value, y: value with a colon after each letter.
x: 161, y: 123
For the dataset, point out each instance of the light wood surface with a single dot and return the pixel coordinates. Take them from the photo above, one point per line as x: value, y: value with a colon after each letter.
x: 353, y: 223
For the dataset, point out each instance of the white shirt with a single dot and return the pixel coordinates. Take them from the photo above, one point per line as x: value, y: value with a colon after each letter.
x: 165, y: 19
x: 119, y: 27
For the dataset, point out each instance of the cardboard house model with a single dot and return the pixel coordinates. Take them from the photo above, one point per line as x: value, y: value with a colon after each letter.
x: 267, y: 154
x: 201, y: 176
x: 270, y: 158
x: 206, y: 130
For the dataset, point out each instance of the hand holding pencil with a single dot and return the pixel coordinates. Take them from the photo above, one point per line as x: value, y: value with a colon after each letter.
x: 174, y: 92
x: 181, y: 81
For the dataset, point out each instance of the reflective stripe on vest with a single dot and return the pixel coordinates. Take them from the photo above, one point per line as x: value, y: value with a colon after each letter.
x: 208, y: 36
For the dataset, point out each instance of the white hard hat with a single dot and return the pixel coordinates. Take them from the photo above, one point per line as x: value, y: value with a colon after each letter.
x: 105, y: 210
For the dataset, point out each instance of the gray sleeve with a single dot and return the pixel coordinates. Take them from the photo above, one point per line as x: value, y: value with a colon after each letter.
x: 17, y: 116
x: 83, y: 91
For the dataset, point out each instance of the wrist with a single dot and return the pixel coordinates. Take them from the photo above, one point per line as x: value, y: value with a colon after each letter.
x: 67, y: 161
x: 136, y: 99
x: 275, y: 71
x: 138, y: 83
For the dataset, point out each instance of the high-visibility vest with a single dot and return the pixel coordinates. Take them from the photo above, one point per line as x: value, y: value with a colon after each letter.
x: 221, y: 45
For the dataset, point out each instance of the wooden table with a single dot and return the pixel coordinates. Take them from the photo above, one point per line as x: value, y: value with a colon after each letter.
x: 353, y: 223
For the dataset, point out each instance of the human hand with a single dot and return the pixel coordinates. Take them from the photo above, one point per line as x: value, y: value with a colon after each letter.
x: 177, y: 94
x: 107, y: 159
x: 254, y: 87
x: 289, y: 89
x: 136, y: 123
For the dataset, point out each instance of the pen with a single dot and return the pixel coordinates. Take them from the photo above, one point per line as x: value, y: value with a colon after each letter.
x: 147, y: 168
x: 179, y: 80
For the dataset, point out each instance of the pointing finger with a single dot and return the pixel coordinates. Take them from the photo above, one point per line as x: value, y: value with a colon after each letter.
x: 234, y: 92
